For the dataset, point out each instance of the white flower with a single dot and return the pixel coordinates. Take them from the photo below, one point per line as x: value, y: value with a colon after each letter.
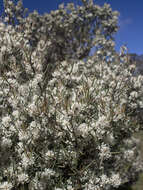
x: 8, y: 10
x: 32, y: 107
x: 39, y: 78
x: 104, y: 180
x: 75, y: 68
x: 20, y: 147
x: 110, y: 138
x: 100, y: 126
x: 49, y: 154
x: 134, y: 94
x: 23, y: 89
x: 113, y: 84
x: 49, y: 43
x: 10, y: 2
x: 98, y: 52
x: 104, y: 151
x: 6, y: 19
x: 34, y: 129
x: 6, y: 120
x: 15, y: 114
x: 3, y: 49
x: 83, y: 129
x: 101, y: 118
x: 23, y: 136
x: 91, y: 185
x: 48, y: 172
x: 56, y: 74
x: 6, y: 142
x: 6, y: 186
x: 129, y: 155
x: 8, y: 37
x: 27, y: 159
x: 23, y: 178
x: 2, y: 25
x: 115, y: 180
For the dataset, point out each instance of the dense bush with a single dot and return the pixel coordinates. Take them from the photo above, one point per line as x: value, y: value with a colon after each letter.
x: 67, y: 118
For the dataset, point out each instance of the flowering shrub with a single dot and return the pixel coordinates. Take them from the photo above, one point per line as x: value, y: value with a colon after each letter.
x: 66, y: 123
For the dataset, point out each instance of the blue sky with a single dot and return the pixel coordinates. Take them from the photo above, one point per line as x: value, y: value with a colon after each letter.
x: 130, y: 19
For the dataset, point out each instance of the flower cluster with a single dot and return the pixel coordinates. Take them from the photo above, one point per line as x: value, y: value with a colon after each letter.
x: 62, y: 122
